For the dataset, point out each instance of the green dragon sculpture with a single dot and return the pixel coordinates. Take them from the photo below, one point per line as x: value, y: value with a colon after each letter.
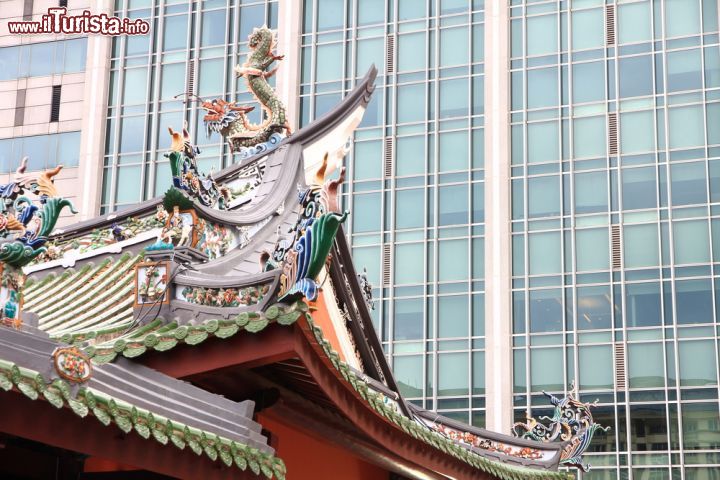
x: 230, y: 120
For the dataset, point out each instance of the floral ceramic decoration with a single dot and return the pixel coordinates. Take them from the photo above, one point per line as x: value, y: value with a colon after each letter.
x: 72, y: 364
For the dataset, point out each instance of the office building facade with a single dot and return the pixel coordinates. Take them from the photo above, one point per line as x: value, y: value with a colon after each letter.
x: 52, y: 102
x: 535, y: 193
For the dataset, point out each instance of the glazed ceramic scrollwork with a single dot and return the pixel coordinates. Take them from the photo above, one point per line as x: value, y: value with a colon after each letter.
x: 302, y: 256
x: 24, y: 224
x: 571, y: 422
x: 187, y: 177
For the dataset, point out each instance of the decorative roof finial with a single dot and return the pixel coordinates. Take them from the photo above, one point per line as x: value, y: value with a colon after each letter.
x: 571, y: 422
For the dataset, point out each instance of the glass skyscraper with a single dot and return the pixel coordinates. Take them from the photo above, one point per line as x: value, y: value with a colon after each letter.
x: 534, y: 191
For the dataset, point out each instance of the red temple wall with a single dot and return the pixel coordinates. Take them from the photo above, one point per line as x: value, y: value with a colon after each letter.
x: 308, y: 458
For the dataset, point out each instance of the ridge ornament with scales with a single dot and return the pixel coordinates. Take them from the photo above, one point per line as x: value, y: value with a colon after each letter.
x: 571, y: 422
x: 230, y: 120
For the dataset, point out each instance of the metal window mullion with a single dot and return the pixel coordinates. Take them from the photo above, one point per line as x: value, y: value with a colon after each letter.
x: 156, y: 53
x: 313, y: 67
x: 119, y: 120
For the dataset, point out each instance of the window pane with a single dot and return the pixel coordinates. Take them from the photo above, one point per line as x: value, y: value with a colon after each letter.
x: 7, y: 158
x: 646, y: 365
x: 37, y: 149
x: 411, y: 54
x: 715, y: 239
x: 689, y: 183
x: 409, y: 263
x: 453, y: 208
x: 453, y: 260
x: 9, y: 62
x: 682, y: 17
x: 138, y: 44
x: 639, y: 188
x: 589, y: 137
x: 634, y: 22
x: 454, y: 46
x: 686, y: 126
x: 640, y: 246
x: 712, y: 67
x: 648, y: 427
x: 213, y: 28
x: 588, y: 82
x: 453, y: 6
x: 367, y: 160
x: 410, y: 156
x: 410, y: 9
x: 642, y: 304
x: 368, y: 258
x: 371, y: 52
x: 636, y: 76
x: 542, y: 87
x: 409, y: 207
x: 330, y: 14
x: 173, y: 80
x: 329, y: 62
x: 129, y: 178
x: 698, y: 365
x: 637, y: 132
x: 546, y: 369
x: 478, y: 202
x: 543, y: 142
x: 135, y: 87
x: 408, y: 372
x: 684, y: 70
x: 542, y: 36
x: 593, y: 308
x: 75, y: 55
x: 453, y: 374
x: 371, y: 11
x: 409, y: 319
x: 596, y: 367
x: 68, y: 149
x: 591, y: 247
x: 588, y: 28
x: 545, y: 311
x: 478, y: 373
x: 365, y: 212
x: 544, y: 253
x: 132, y: 134
x: 453, y: 316
x: 591, y: 192
x: 211, y: 77
x: 692, y: 241
x: 175, y: 33
x: 454, y: 98
x: 411, y: 103
x: 42, y: 57
x: 700, y: 424
x: 544, y: 196
x: 693, y: 301
x: 252, y: 16
x: 453, y: 151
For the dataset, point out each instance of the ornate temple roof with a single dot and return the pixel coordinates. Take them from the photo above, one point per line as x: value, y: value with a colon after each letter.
x: 217, y: 265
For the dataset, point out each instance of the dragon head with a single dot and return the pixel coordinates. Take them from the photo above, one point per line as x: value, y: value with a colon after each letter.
x: 261, y: 38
